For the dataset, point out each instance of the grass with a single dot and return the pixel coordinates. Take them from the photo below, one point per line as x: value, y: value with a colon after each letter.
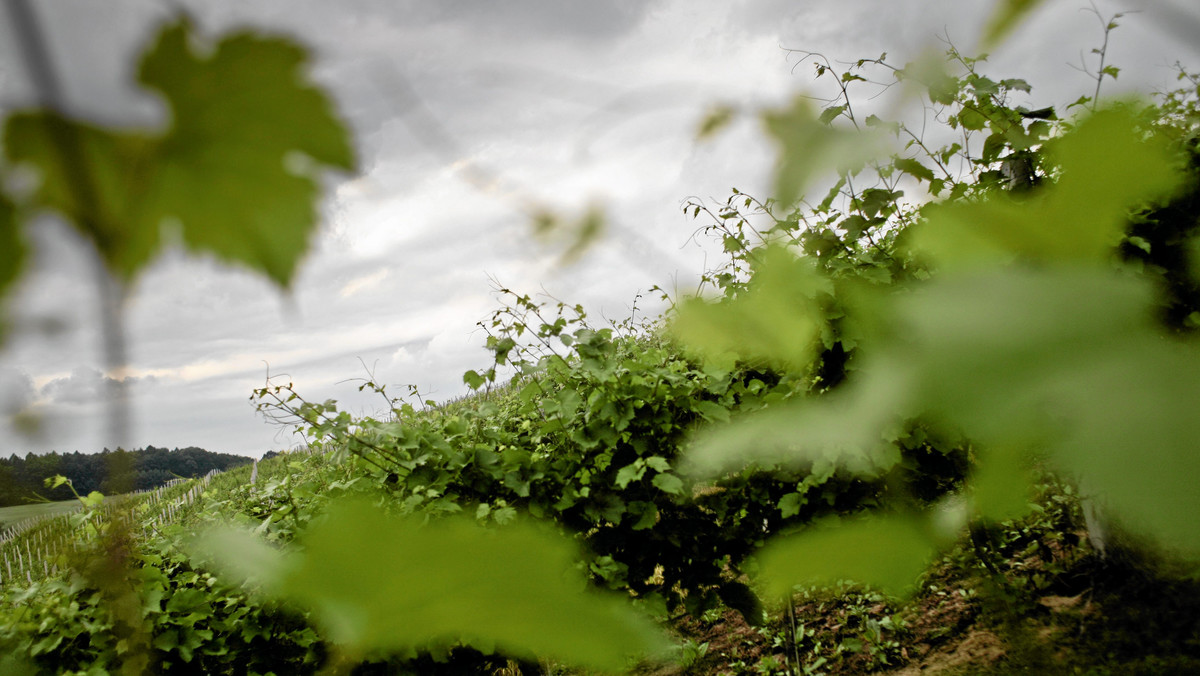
x: 10, y: 516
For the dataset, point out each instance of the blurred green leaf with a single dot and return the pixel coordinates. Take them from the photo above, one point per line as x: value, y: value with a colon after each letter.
x: 575, y: 235
x: 775, y: 320
x: 12, y: 245
x: 376, y: 582
x: 1107, y: 165
x: 987, y: 349
x: 842, y: 429
x: 1133, y: 440
x: 1001, y: 487
x: 809, y: 147
x: 1005, y: 17
x: 885, y: 551
x: 121, y: 170
x: 236, y: 169
x: 717, y: 119
x: 241, y: 113
x: 1065, y: 360
x: 243, y: 556
x: 1069, y: 361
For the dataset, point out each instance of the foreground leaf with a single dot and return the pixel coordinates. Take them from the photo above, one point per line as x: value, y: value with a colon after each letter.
x: 1005, y: 17
x: 884, y: 551
x: 774, y: 321
x: 1068, y: 362
x: 808, y: 146
x: 376, y: 582
x: 839, y: 430
x: 1106, y: 167
x: 245, y: 557
x: 241, y: 113
x: 236, y: 170
x: 119, y: 170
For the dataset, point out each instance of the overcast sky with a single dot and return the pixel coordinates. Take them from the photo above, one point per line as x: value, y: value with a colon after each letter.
x: 565, y: 102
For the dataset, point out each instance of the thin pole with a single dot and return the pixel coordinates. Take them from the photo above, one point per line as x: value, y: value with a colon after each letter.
x: 69, y: 148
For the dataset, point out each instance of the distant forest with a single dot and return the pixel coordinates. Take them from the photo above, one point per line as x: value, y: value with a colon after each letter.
x: 110, y: 472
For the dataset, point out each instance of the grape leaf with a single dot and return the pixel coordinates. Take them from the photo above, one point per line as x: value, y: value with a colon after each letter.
x: 376, y: 582
x: 668, y: 483
x: 807, y: 146
x: 886, y: 551
x: 473, y: 380
x: 1106, y: 166
x: 236, y: 169
x: 772, y: 321
x: 629, y: 473
x: 118, y: 170
x: 240, y: 114
x: 1066, y: 360
x: 914, y: 168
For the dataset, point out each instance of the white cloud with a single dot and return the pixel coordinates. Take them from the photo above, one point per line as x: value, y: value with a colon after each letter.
x: 365, y: 282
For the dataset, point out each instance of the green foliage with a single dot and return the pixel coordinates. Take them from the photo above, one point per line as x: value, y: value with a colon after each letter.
x: 771, y: 323
x: 1103, y: 166
x: 885, y: 551
x: 197, y: 625
x: 236, y: 169
x: 588, y: 435
x: 23, y: 479
x: 456, y: 581
x: 808, y: 146
x: 1027, y: 342
x: 580, y: 436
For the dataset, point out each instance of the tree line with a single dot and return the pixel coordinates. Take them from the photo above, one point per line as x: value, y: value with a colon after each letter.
x: 110, y: 472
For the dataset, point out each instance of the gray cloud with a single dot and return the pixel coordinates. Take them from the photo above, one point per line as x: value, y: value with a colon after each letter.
x: 546, y: 19
x: 87, y: 386
x: 16, y: 390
